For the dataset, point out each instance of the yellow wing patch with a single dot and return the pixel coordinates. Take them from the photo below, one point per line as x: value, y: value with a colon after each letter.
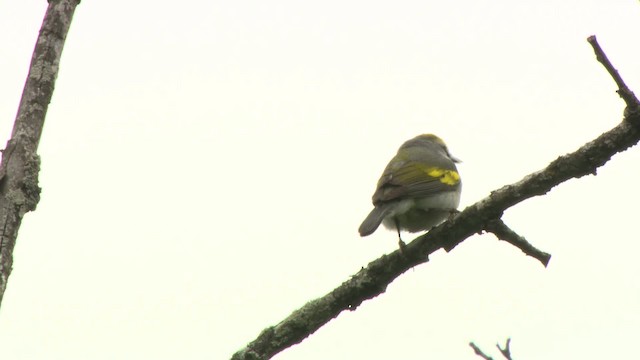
x: 449, y: 177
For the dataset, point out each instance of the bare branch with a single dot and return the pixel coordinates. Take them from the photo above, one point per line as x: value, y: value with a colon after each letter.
x: 625, y: 93
x: 503, y: 232
x: 506, y: 352
x: 479, y: 352
x: 373, y: 280
x: 19, y: 190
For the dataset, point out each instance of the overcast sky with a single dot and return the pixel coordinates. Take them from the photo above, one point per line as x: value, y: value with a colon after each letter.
x: 206, y: 165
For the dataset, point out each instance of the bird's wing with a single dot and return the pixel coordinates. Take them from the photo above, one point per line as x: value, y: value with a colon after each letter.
x: 409, y: 179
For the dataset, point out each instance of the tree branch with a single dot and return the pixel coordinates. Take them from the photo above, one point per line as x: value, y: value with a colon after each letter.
x: 373, y: 280
x: 479, y: 352
x: 503, y: 232
x: 506, y: 352
x: 19, y: 191
x: 623, y: 90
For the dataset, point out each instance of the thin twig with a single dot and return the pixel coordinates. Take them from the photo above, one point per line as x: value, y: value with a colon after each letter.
x: 503, y: 232
x: 479, y: 352
x: 506, y: 352
x: 623, y: 90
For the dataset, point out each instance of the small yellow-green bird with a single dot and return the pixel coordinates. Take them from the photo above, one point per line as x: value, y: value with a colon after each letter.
x: 419, y: 188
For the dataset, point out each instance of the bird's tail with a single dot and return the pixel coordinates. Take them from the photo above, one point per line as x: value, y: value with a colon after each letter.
x: 373, y: 220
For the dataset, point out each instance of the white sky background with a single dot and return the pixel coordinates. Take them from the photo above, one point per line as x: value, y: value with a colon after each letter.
x: 206, y: 165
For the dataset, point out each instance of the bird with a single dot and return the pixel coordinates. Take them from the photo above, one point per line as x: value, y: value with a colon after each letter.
x: 418, y: 190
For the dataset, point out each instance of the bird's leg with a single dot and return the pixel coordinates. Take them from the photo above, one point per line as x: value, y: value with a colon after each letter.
x: 400, y: 242
x: 453, y: 213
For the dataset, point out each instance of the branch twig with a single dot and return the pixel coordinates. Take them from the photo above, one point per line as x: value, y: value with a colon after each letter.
x: 479, y: 352
x: 503, y: 232
x: 623, y: 90
x: 506, y: 352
